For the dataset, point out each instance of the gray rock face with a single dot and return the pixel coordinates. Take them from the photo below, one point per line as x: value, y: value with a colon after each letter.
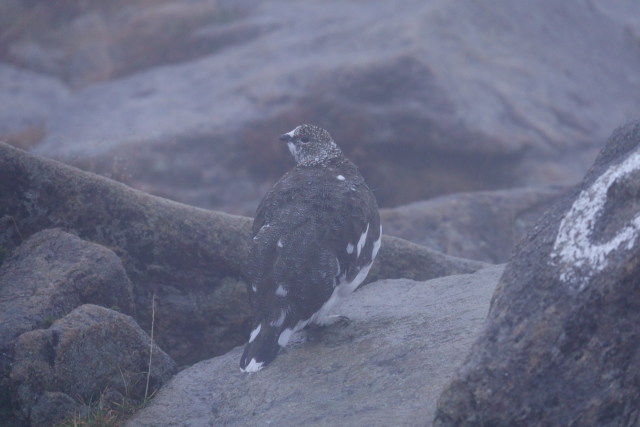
x: 426, y: 97
x: 192, y: 259
x: 53, y: 408
x: 561, y: 344
x: 399, y: 258
x: 47, y: 276
x: 84, y: 43
x: 484, y: 225
x: 385, y: 367
x: 52, y: 273
x: 89, y: 351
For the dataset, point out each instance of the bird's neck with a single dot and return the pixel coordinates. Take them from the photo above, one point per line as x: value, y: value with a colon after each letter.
x: 319, y: 157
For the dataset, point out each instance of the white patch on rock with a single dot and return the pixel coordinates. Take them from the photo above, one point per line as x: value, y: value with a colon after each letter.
x: 253, y: 366
x: 573, y: 247
x: 263, y: 228
x: 255, y: 333
x: 350, y: 248
x: 280, y: 245
x: 362, y: 241
x: 281, y: 291
x: 340, y: 178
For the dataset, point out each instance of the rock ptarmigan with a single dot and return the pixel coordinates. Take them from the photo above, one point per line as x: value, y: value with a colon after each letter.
x: 315, y: 236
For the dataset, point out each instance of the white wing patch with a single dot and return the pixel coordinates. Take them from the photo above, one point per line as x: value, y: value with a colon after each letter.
x: 337, y: 268
x: 350, y: 248
x: 362, y: 241
x: 376, y: 245
x: 255, y: 333
x: 281, y: 291
x: 280, y: 245
x: 344, y: 287
x: 340, y: 178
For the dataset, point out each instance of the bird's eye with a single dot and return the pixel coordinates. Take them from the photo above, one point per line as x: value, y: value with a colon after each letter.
x: 304, y: 139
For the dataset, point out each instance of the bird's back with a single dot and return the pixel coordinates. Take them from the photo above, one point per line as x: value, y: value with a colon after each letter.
x: 309, y: 209
x: 315, y: 235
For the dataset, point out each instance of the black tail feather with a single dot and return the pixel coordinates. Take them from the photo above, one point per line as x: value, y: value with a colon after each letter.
x: 260, y: 351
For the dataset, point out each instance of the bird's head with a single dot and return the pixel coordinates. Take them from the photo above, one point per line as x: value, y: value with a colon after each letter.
x: 310, y: 144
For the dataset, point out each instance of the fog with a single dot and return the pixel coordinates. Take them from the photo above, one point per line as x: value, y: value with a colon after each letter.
x: 186, y: 99
x: 469, y: 121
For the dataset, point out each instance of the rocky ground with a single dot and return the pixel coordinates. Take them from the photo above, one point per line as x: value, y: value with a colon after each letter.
x: 73, y: 239
x: 469, y: 119
x: 560, y: 319
x: 386, y: 366
x: 560, y: 345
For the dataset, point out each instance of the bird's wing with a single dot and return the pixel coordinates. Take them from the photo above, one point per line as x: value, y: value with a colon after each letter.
x: 355, y: 237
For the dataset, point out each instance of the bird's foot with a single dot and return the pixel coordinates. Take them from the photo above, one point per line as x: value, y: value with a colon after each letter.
x: 334, y: 319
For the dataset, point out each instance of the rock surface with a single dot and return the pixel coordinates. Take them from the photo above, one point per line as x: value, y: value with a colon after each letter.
x: 562, y: 345
x: 192, y: 259
x: 28, y: 101
x: 385, y: 367
x: 186, y: 99
x: 52, y: 273
x: 484, y: 225
x: 46, y: 277
x: 79, y: 358
x: 88, y: 42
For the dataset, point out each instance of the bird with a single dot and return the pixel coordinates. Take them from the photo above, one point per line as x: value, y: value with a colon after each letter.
x: 315, y: 236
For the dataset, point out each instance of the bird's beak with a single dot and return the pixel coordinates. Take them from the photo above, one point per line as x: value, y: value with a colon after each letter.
x: 285, y: 137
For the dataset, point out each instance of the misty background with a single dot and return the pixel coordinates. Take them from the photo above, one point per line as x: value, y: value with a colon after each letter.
x: 186, y: 99
x: 467, y: 118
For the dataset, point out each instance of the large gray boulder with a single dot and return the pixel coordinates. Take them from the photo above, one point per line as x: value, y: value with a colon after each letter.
x: 426, y: 97
x: 91, y: 354
x: 46, y: 277
x: 484, y: 225
x: 385, y: 367
x: 561, y: 344
x: 191, y: 259
x: 52, y: 273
